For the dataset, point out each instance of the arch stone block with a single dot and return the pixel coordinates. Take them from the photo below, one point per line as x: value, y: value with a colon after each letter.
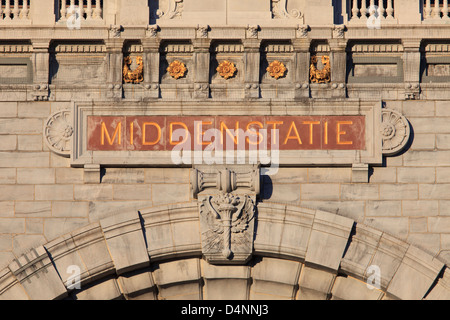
x: 415, y: 275
x: 38, y: 277
x: 125, y: 240
x: 329, y: 237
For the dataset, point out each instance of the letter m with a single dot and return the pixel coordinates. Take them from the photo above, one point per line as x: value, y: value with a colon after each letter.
x: 117, y: 132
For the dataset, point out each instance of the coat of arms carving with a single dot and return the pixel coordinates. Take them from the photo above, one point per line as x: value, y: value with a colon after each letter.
x: 320, y: 75
x: 227, y: 224
x: 133, y: 76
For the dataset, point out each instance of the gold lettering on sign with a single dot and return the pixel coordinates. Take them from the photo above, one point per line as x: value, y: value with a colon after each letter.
x: 340, y: 133
x: 158, y: 133
x: 158, y: 136
x: 118, y: 131
x: 297, y: 136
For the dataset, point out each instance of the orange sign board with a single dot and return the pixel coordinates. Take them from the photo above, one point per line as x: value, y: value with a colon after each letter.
x: 163, y: 133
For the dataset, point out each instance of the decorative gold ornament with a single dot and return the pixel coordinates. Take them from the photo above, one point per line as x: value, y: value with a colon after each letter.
x: 133, y: 76
x: 320, y: 76
x: 177, y: 69
x: 276, y: 69
x: 226, y: 69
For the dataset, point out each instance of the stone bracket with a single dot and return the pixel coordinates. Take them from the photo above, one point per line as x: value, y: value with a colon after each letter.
x: 217, y: 179
x: 91, y: 173
x: 360, y: 173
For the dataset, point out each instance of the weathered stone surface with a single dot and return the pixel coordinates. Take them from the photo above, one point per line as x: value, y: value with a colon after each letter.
x: 126, y: 243
x: 329, y: 237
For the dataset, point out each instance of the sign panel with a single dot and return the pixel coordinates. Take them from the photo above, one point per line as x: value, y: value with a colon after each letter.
x: 168, y: 134
x: 157, y: 133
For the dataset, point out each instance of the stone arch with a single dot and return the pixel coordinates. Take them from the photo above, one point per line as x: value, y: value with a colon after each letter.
x: 156, y: 253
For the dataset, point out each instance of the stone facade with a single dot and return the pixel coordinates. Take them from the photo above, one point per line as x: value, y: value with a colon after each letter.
x: 141, y: 227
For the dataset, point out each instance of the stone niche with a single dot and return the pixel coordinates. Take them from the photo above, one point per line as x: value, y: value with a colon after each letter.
x: 177, y: 69
x: 15, y: 63
x: 435, y: 66
x: 227, y: 70
x: 132, y: 69
x: 277, y: 70
x: 375, y: 62
x: 78, y: 64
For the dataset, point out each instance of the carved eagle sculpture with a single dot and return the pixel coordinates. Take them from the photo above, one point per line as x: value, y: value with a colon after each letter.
x: 226, y: 218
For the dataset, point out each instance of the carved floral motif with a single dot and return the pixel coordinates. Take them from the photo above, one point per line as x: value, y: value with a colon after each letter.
x: 226, y: 69
x: 133, y: 76
x: 395, y: 131
x: 58, y: 131
x: 323, y: 75
x: 177, y: 69
x: 276, y: 69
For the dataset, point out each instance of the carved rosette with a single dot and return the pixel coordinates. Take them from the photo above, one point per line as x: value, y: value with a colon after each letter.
x: 320, y: 75
x: 276, y: 69
x: 177, y: 69
x: 226, y: 69
x: 133, y: 76
x: 227, y: 227
x: 58, y: 131
x: 395, y: 132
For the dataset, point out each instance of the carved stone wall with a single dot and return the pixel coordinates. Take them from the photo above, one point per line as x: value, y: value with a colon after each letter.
x: 242, y: 59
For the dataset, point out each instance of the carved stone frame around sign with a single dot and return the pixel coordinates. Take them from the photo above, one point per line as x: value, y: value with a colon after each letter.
x: 371, y: 110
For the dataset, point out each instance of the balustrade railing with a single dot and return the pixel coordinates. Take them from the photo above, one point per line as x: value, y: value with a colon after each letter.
x: 14, y: 10
x: 436, y: 9
x: 361, y: 10
x: 86, y: 9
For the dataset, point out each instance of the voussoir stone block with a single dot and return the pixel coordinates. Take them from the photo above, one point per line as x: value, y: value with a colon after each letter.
x: 125, y: 240
x: 38, y: 277
x: 360, y: 251
x: 415, y: 275
x: 224, y: 282
x: 283, y: 231
x: 329, y: 237
x: 172, y: 229
x: 84, y: 249
x: 442, y: 289
x: 10, y: 287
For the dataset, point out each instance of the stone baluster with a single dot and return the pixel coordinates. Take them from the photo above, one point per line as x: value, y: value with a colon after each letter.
x: 372, y: 9
x: 16, y: 10
x: 89, y: 10
x: 381, y: 8
x: 363, y: 10
x: 63, y: 11
x: 81, y: 8
x: 71, y: 6
x: 437, y: 9
x: 355, y: 10
x: 445, y: 10
x: 24, y: 11
x: 428, y: 9
x: 7, y: 10
x: 389, y: 10
x: 98, y: 10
